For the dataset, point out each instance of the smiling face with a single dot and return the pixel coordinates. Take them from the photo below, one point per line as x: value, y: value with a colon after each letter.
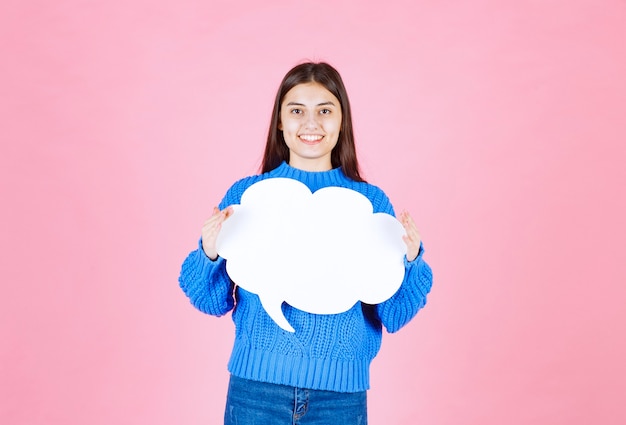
x: 310, y: 119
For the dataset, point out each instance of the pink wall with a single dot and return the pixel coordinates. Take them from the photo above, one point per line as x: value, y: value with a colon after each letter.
x: 499, y: 124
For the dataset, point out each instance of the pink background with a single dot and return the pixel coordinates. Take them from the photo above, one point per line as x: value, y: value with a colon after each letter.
x: 499, y: 124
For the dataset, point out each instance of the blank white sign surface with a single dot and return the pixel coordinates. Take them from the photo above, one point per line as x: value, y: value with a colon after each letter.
x: 319, y: 252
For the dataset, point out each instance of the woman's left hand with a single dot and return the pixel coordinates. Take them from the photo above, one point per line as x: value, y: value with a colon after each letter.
x: 412, y: 238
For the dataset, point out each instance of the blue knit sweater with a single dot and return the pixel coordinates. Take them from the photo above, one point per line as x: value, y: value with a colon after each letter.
x: 327, y: 352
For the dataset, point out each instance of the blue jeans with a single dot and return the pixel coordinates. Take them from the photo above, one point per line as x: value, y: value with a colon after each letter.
x: 259, y: 403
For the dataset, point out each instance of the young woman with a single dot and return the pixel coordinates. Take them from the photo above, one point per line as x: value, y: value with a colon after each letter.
x: 320, y: 373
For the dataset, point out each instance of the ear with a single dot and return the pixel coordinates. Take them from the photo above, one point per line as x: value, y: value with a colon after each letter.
x: 280, y: 126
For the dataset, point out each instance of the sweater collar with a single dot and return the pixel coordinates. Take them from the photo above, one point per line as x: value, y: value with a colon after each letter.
x: 297, y: 173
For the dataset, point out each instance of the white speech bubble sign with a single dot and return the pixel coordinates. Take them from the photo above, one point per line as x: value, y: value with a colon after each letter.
x: 319, y: 252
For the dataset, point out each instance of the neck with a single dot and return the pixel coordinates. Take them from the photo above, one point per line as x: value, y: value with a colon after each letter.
x: 311, y: 165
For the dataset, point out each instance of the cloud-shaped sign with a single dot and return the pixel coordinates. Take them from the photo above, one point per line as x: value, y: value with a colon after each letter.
x: 319, y: 252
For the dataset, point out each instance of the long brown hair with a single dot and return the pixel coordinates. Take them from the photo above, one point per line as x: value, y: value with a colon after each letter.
x: 344, y: 153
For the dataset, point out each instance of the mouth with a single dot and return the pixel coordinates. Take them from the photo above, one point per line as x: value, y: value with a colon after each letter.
x: 310, y: 139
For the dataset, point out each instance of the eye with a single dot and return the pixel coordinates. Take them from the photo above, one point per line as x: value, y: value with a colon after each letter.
x: 325, y: 111
x: 296, y: 111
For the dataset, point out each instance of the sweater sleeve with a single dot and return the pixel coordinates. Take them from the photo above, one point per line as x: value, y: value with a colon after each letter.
x: 206, y: 283
x: 410, y: 298
x: 418, y: 279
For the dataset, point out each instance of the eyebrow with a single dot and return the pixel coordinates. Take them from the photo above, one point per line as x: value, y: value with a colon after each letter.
x: 319, y: 104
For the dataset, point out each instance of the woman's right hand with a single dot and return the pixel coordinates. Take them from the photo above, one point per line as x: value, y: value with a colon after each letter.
x: 211, y: 229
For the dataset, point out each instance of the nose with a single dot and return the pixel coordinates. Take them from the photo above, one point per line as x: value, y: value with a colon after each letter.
x: 311, y: 122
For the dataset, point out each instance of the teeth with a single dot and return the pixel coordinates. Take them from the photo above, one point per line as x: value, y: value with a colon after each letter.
x: 310, y: 137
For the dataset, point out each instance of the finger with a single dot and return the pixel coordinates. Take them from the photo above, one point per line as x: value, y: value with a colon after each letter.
x: 412, y: 239
x: 410, y: 225
x: 215, y: 214
x: 211, y: 223
x: 219, y: 216
x: 408, y: 219
x: 413, y: 232
x: 211, y: 228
